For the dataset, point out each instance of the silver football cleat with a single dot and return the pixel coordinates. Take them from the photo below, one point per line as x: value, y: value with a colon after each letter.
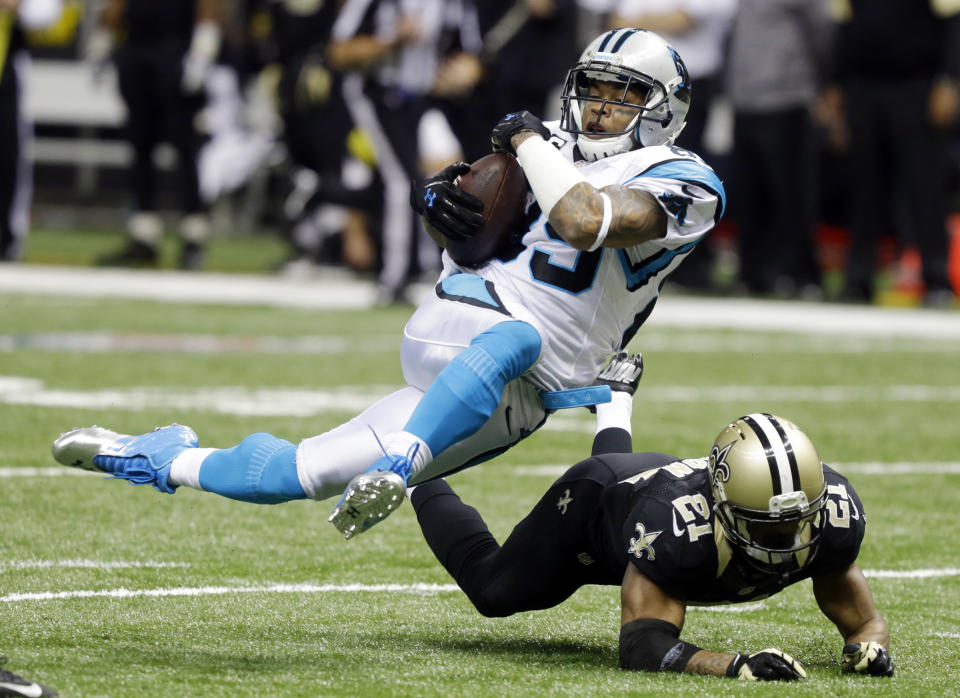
x: 368, y: 500
x: 78, y: 447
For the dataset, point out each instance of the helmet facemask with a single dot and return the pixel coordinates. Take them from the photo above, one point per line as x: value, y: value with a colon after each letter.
x: 771, y: 539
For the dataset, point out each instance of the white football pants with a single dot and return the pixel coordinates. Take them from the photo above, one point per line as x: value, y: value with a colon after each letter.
x: 439, y: 330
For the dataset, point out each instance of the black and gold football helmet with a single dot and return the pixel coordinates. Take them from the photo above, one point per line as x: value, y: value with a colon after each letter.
x: 769, y: 491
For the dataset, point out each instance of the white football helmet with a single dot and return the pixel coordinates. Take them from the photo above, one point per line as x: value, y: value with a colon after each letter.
x: 632, y: 58
x: 769, y: 491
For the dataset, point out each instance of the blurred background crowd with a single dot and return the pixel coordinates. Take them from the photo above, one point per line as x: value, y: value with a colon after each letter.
x: 834, y: 124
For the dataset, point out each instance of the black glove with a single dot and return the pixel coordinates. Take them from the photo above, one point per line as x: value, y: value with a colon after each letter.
x: 511, y: 125
x: 445, y: 206
x: 867, y: 658
x: 766, y: 665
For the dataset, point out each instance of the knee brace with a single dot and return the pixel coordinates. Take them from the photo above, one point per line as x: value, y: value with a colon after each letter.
x: 468, y: 389
x: 261, y: 469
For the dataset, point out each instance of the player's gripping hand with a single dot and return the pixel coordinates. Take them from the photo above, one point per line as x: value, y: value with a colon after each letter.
x: 446, y: 207
x: 623, y: 373
x: 511, y: 125
x: 867, y: 658
x: 766, y: 665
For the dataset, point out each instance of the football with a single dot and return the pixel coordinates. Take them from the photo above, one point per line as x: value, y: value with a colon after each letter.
x: 498, y: 181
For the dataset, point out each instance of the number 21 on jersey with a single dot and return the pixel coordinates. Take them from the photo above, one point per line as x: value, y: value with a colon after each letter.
x: 691, y: 508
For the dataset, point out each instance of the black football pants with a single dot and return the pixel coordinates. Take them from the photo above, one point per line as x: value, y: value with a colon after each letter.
x: 546, y: 558
x: 895, y: 151
x: 773, y: 177
x: 14, y: 170
x: 149, y: 76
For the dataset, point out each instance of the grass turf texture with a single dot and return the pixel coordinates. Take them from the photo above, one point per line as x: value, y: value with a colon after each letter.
x: 346, y: 643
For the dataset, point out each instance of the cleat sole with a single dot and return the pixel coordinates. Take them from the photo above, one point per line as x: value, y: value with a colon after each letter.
x: 368, y: 500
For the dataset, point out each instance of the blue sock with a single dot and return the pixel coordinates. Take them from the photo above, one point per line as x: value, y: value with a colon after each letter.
x: 468, y: 390
x: 261, y: 469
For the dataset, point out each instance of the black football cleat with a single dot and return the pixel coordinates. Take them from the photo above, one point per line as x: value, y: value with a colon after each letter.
x: 13, y: 685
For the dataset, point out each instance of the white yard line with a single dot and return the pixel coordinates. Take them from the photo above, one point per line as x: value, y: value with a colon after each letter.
x: 127, y: 342
x: 55, y: 471
x: 875, y: 468
x: 88, y: 564
x: 912, y: 574
x: 932, y: 468
x: 339, y: 291
x: 121, y: 593
x: 298, y: 402
x: 902, y: 468
x: 416, y: 588
x: 673, y: 341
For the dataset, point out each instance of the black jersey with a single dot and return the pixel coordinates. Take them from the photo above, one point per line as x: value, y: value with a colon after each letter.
x: 661, y: 520
x: 15, y: 43
x: 154, y: 20
x: 298, y: 28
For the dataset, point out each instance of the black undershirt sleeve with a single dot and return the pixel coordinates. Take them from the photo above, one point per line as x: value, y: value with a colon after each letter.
x: 651, y: 644
x: 612, y: 440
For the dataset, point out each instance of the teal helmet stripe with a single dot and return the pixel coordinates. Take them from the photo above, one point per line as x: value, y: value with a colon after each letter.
x: 606, y: 39
x: 625, y: 34
x: 623, y: 37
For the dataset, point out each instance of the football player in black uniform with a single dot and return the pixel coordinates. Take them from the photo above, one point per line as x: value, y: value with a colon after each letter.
x: 759, y: 514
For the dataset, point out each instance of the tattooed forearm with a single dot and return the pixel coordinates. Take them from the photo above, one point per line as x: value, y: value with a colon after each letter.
x: 577, y: 216
x: 637, y: 217
x: 712, y: 663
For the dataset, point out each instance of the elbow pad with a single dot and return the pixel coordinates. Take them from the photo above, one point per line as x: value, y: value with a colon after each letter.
x: 652, y: 644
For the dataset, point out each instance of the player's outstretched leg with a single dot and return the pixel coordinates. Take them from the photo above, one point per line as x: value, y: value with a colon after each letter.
x: 143, y: 459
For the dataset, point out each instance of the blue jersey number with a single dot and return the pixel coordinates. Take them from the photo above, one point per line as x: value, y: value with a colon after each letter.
x: 575, y: 279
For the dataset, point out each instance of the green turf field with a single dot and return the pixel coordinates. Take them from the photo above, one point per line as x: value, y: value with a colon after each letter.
x: 110, y: 590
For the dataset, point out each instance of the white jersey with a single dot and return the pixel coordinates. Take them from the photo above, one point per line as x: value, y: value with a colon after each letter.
x: 588, y: 305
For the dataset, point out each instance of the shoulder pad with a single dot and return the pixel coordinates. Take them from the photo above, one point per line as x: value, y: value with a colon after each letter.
x: 669, y: 536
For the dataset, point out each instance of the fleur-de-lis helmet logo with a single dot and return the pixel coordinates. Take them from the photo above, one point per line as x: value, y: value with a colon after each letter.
x: 718, y: 463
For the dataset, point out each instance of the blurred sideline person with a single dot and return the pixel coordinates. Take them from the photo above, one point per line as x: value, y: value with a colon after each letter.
x: 499, y: 346
x: 527, y: 47
x: 164, y: 51
x: 699, y: 30
x: 291, y: 40
x: 13, y: 685
x: 759, y: 514
x: 395, y: 53
x: 779, y: 55
x: 898, y: 106
x: 16, y: 176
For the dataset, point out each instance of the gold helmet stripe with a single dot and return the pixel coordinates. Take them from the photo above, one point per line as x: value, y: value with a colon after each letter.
x: 780, y: 458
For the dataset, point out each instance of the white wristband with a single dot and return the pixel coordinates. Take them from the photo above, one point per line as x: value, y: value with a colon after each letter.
x: 549, y: 173
x: 615, y: 414
x: 605, y: 225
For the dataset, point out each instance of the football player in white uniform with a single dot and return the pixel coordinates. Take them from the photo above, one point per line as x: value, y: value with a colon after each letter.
x: 614, y: 208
